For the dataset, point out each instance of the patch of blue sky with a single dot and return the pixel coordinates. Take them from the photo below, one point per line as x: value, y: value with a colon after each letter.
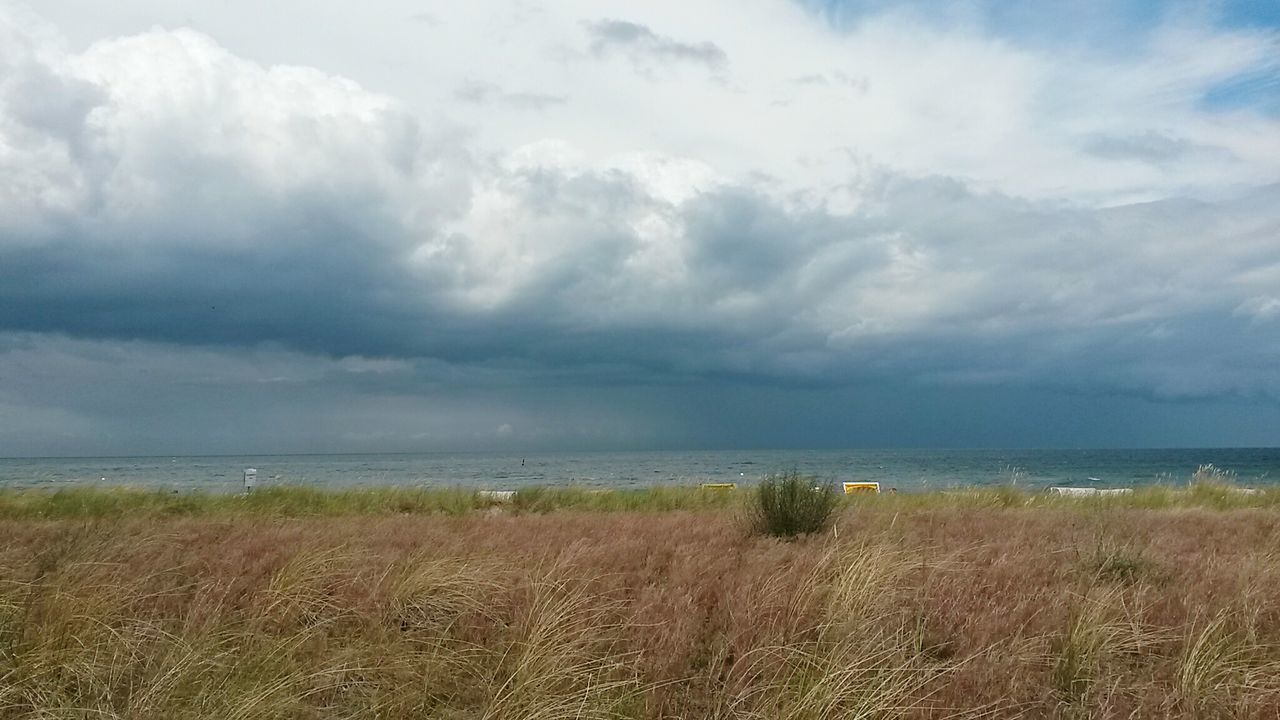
x: 1110, y: 27
x: 1009, y: 19
x: 1258, y: 91
x: 1101, y: 23
x: 1249, y: 13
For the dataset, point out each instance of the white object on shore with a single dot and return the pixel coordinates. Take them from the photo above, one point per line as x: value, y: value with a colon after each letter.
x: 497, y: 495
x: 250, y: 479
x: 1088, y: 491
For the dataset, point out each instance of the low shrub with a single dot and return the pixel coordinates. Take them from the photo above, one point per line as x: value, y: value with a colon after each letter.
x: 791, y: 504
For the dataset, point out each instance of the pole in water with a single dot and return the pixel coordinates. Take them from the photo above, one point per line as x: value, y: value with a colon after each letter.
x: 250, y: 479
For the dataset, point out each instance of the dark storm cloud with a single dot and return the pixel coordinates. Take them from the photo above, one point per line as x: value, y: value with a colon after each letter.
x: 314, y: 299
x: 112, y: 397
x: 641, y: 43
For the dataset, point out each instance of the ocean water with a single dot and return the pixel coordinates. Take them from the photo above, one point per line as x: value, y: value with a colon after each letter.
x: 906, y: 470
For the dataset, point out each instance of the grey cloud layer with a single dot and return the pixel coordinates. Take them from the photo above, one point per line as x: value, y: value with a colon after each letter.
x: 642, y: 44
x: 161, y: 189
x: 482, y: 93
x: 1150, y: 147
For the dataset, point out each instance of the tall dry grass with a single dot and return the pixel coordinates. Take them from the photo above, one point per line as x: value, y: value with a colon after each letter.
x: 973, y: 609
x: 328, y: 632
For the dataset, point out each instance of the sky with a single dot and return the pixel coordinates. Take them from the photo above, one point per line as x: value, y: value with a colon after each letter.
x: 404, y: 225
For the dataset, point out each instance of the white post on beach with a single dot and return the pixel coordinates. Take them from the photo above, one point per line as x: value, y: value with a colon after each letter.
x: 250, y: 479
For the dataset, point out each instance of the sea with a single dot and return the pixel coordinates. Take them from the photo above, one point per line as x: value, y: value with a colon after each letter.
x: 905, y: 469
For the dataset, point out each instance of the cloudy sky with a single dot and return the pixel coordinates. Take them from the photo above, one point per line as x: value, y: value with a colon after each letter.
x: 402, y: 225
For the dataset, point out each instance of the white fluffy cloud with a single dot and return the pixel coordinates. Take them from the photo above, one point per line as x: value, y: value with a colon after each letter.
x: 733, y: 189
x: 169, y: 134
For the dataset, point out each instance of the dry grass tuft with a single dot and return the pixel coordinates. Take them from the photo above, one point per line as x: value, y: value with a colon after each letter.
x: 1223, y: 665
x: 1102, y: 632
x: 855, y: 659
x: 563, y: 659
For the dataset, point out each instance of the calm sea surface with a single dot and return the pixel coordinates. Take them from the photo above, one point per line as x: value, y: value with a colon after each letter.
x: 904, y: 469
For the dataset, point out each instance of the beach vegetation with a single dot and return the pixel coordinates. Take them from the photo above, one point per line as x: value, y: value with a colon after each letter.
x: 934, y: 606
x: 790, y: 504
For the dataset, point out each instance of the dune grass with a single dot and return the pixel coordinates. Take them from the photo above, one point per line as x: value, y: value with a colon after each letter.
x: 908, y: 608
x: 391, y: 603
x: 1208, y: 488
x: 295, y: 501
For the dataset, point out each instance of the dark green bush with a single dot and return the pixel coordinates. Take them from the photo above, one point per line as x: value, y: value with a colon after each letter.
x: 791, y: 504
